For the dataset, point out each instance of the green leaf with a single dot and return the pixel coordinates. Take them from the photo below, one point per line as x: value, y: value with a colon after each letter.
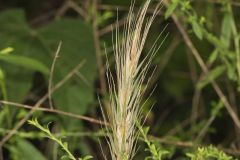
x: 65, y: 144
x: 171, y: 8
x: 231, y: 71
x: 215, y: 41
x: 16, y: 33
x: 101, y: 19
x: 77, y: 45
x: 1, y: 75
x: 226, y: 30
x: 24, y: 150
x: 209, y: 152
x: 26, y: 62
x: 216, y: 107
x: 14, y: 20
x: 86, y: 157
x: 213, y: 56
x: 64, y: 157
x: 197, y: 29
x: 48, y: 133
x: 6, y: 50
x: 212, y: 75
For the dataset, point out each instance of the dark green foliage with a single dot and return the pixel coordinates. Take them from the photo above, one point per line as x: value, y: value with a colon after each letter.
x: 208, y: 153
x: 188, y: 120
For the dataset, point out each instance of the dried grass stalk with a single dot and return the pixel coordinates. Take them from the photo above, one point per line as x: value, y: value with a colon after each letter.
x: 126, y: 91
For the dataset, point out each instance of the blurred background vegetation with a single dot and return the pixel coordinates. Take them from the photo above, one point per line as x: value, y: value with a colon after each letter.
x: 195, y: 84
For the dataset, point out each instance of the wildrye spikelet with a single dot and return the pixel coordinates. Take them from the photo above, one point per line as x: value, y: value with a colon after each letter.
x: 126, y: 91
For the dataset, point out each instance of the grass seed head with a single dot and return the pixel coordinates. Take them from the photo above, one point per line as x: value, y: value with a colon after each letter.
x: 126, y: 91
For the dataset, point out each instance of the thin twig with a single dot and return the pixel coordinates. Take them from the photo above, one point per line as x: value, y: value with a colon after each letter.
x: 62, y: 10
x: 1, y: 153
x: 70, y: 4
x: 51, y: 75
x: 79, y: 74
x: 195, y: 105
x: 39, y: 103
x: 175, y: 130
x: 189, y: 144
x: 36, y: 134
x: 124, y: 8
x: 205, y: 128
x: 38, y: 21
x: 233, y: 101
x: 192, y: 67
x: 78, y: 9
x: 98, y: 48
x: 171, y: 142
x: 163, y: 62
x: 197, y: 97
x: 113, y: 26
x: 89, y: 119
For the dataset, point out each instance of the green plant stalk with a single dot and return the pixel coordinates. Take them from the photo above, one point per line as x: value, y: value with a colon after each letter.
x: 37, y: 135
x: 5, y: 98
x: 53, y: 137
x: 236, y: 43
x: 151, y: 149
x: 156, y: 152
x: 210, y: 152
